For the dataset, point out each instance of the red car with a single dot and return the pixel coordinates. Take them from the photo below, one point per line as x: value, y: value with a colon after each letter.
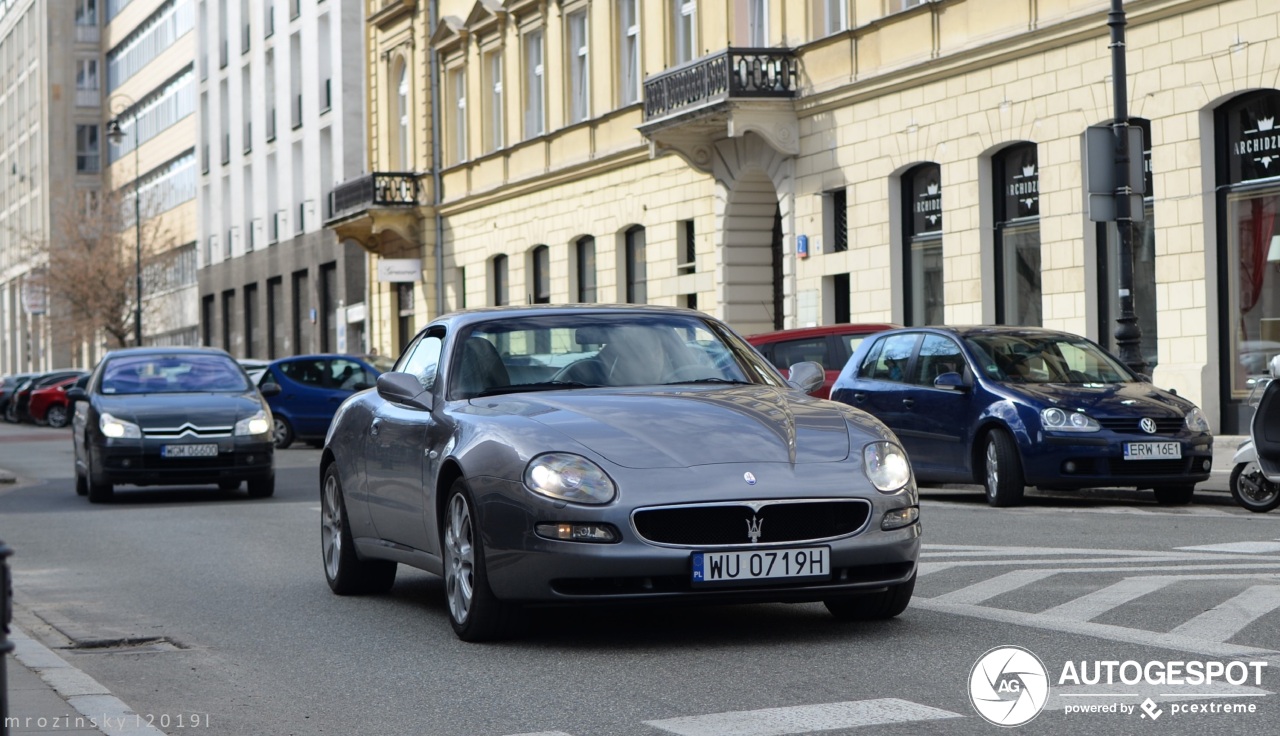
x: 50, y: 405
x: 830, y: 345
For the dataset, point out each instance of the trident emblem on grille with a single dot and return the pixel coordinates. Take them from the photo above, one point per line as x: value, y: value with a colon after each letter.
x: 753, y: 528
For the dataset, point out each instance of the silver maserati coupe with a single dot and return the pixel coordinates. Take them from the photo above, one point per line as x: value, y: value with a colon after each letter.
x: 585, y: 454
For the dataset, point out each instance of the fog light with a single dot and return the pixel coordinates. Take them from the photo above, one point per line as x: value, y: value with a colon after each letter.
x: 127, y: 463
x: 899, y: 518
x: 1207, y: 464
x: 1069, y: 466
x: 570, y: 532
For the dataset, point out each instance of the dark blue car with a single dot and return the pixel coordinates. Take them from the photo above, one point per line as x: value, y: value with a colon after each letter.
x: 312, y: 387
x: 1009, y: 407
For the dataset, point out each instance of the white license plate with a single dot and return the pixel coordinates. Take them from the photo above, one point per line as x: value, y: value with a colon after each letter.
x: 772, y: 564
x: 1152, y: 450
x: 209, y: 450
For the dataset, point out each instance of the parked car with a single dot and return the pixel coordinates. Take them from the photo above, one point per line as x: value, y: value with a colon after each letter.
x: 17, y: 409
x: 311, y: 388
x: 254, y: 367
x: 50, y: 405
x: 1009, y: 407
x: 170, y: 416
x: 830, y: 346
x: 590, y: 454
x: 8, y: 385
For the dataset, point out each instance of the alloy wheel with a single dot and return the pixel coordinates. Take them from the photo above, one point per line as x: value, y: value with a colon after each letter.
x: 461, y: 560
x: 331, y: 527
x: 993, y: 469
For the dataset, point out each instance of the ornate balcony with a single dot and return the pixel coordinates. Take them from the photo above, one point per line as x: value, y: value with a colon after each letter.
x: 727, y: 94
x: 377, y: 209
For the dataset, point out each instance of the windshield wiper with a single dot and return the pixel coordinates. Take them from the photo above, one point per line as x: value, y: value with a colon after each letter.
x: 730, y: 381
x: 538, y: 386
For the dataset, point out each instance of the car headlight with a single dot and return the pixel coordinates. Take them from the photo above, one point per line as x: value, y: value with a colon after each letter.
x: 254, y: 425
x: 886, y: 466
x: 1196, y: 421
x: 118, y: 428
x: 567, y: 477
x: 1057, y: 420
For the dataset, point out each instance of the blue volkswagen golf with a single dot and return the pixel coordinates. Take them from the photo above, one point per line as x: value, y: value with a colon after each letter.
x: 312, y: 387
x: 1010, y: 407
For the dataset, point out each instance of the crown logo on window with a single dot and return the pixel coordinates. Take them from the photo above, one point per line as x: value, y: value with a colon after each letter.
x: 932, y: 189
x: 1266, y: 123
x: 1029, y: 170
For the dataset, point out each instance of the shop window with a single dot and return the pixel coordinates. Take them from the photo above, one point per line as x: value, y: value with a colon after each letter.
x: 922, y: 245
x: 1016, y: 173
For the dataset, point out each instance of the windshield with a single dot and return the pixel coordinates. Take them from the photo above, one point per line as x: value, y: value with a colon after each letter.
x: 1015, y: 358
x: 557, y: 351
x: 169, y: 374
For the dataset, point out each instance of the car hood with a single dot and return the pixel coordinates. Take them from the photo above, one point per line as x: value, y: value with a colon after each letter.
x: 1107, y: 399
x: 689, y: 426
x: 174, y: 410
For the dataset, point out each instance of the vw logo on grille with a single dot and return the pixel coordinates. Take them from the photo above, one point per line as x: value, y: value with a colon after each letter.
x: 749, y: 477
x: 1148, y: 425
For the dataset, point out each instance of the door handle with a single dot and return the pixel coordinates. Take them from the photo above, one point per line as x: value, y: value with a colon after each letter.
x: 908, y: 403
x: 859, y: 397
x: 373, y: 428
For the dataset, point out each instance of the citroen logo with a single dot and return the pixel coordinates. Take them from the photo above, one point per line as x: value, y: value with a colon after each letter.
x: 750, y: 478
x: 1148, y: 425
x: 753, y: 528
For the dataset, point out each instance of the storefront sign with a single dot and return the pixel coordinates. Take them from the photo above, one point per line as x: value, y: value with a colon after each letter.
x: 402, y: 270
x: 1253, y: 138
x: 926, y: 199
x: 1022, y: 183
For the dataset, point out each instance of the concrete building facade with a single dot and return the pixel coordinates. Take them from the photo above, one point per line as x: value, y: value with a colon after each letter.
x: 281, y: 119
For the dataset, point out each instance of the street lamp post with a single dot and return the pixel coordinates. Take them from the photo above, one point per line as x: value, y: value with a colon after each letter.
x: 116, y: 135
x: 1128, y: 334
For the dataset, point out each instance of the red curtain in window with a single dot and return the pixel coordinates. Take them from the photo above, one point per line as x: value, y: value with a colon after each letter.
x: 1255, y: 242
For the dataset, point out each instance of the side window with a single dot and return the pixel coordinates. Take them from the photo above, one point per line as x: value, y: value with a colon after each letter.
x: 938, y: 355
x: 345, y: 374
x: 306, y: 372
x: 891, y: 363
x: 787, y: 354
x: 872, y: 357
x: 423, y: 360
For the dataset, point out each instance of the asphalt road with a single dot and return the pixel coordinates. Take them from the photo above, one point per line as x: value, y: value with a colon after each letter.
x: 197, y: 602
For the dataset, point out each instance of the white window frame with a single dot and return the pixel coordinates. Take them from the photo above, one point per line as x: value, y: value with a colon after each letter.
x: 684, y: 18
x: 458, y: 79
x: 837, y: 16
x: 494, y: 65
x: 758, y: 23
x: 579, y: 67
x: 534, y: 85
x: 629, y: 51
x: 402, y: 119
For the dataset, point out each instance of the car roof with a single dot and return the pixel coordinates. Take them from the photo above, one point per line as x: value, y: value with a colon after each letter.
x: 167, y: 350
x: 799, y: 333
x: 466, y: 317
x: 318, y: 356
x: 979, y: 330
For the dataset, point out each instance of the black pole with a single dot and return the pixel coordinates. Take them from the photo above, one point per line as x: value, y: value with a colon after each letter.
x: 6, y: 646
x: 1128, y: 333
x: 137, y: 249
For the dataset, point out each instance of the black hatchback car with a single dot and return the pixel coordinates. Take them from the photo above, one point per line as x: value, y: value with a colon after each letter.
x: 1010, y: 407
x: 171, y: 416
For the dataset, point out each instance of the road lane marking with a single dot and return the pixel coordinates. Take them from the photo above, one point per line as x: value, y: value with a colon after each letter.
x: 803, y: 718
x: 1227, y: 619
x: 1093, y: 605
x: 992, y: 587
x: 1248, y: 548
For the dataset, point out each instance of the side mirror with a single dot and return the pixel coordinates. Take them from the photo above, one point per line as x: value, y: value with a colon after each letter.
x: 807, y: 376
x: 269, y: 389
x: 404, y: 388
x: 75, y: 393
x: 950, y: 381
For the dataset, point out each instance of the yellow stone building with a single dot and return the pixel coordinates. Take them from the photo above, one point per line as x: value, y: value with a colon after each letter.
x: 781, y: 164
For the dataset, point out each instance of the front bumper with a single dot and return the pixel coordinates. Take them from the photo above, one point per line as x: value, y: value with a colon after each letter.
x: 139, y: 462
x: 1097, y: 460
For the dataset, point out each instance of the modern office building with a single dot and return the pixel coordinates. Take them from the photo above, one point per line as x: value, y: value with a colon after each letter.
x: 282, y: 116
x: 784, y: 164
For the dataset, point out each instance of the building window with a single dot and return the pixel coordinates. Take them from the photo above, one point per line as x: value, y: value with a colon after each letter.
x: 402, y: 117
x: 636, y: 291
x: 404, y: 313
x: 328, y: 307
x: 1249, y: 254
x: 835, y: 219
x: 687, y: 242
x: 228, y: 308
x: 922, y: 246
x: 301, y: 312
x: 88, y: 157
x: 542, y: 275
x: 86, y: 12
x: 276, y: 347
x: 629, y: 56
x: 1017, y: 236
x: 493, y: 130
x: 758, y: 23
x: 207, y: 307
x: 684, y: 18
x: 500, y: 281
x: 579, y: 78
x: 585, y: 255
x: 534, y: 119
x: 251, y: 320
x: 897, y: 6
x: 458, y: 131
x: 840, y: 293
x: 834, y: 16
x: 87, y: 94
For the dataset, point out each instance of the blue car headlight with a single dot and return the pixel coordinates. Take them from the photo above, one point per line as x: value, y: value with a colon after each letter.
x: 257, y: 424
x: 118, y: 428
x: 886, y: 466
x: 567, y: 477
x: 1196, y: 421
x: 1057, y: 420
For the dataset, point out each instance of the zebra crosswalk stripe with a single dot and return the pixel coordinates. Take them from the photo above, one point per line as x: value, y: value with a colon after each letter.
x: 802, y: 719
x: 1093, y: 605
x: 1225, y: 621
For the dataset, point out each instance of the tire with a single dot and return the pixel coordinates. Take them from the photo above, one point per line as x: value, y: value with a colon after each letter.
x: 262, y: 487
x: 873, y: 606
x: 475, y: 613
x: 82, y: 484
x: 11, y: 413
x: 345, y: 572
x: 1003, y: 477
x: 1174, y: 495
x: 1253, y: 491
x: 281, y: 432
x: 57, y: 416
x: 228, y: 485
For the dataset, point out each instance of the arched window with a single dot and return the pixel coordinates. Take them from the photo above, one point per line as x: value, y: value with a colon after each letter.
x: 585, y: 257
x: 636, y: 291
x: 922, y: 245
x: 541, y: 258
x: 500, y: 280
x: 1016, y: 174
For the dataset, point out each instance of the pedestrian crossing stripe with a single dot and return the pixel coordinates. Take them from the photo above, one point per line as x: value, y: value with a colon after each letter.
x: 803, y: 718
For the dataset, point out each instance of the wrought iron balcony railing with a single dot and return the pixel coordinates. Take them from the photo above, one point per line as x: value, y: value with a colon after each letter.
x: 379, y: 189
x: 732, y: 73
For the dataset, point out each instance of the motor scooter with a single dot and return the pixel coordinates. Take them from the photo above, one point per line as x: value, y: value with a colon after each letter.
x: 1255, y: 479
